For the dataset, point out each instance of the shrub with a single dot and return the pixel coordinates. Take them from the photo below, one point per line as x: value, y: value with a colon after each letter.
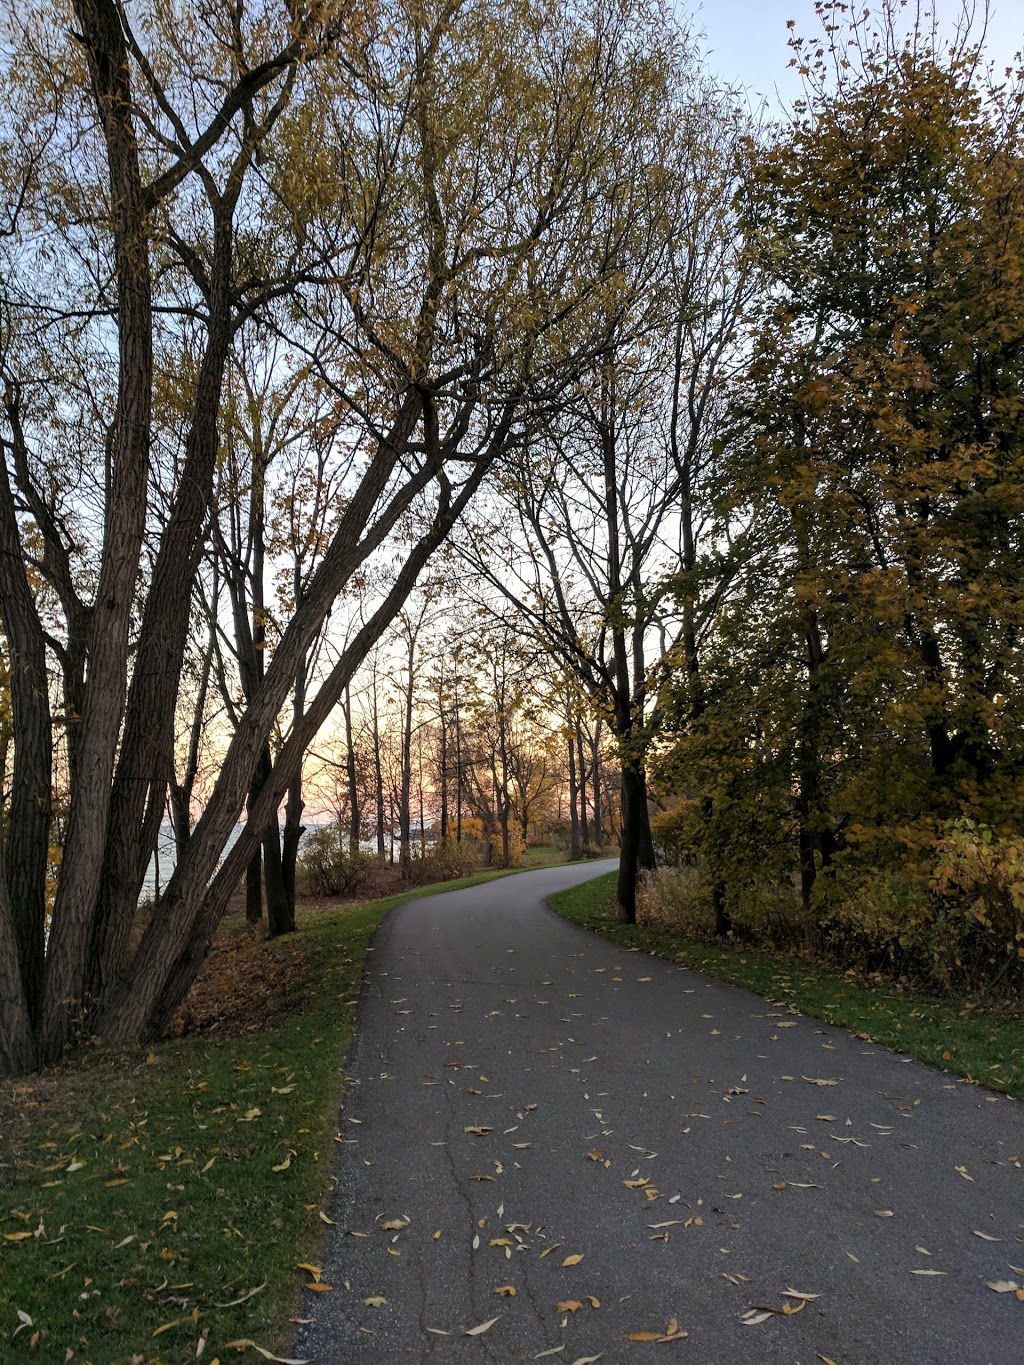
x: 328, y: 867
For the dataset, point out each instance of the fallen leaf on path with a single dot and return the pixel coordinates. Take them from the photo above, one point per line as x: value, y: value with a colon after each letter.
x: 819, y: 1080
x: 752, y: 1318
x: 481, y: 1329
x: 575, y: 1259
x: 507, y: 1291
x: 552, y: 1350
x: 987, y: 1237
x: 375, y: 1301
x: 325, y: 1219
x: 960, y: 1170
x: 482, y: 1177
x: 585, y: 1360
x: 479, y: 1132
x: 568, y: 1306
x: 319, y: 1288
x: 798, y: 1294
x: 396, y: 1224
x: 1002, y: 1286
x: 884, y: 1213
x: 314, y: 1270
x: 594, y: 1302
x: 928, y: 1272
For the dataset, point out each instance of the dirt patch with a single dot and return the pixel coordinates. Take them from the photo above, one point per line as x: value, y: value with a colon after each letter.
x: 245, y: 981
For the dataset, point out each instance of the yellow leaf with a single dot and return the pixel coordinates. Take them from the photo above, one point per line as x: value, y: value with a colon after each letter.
x: 314, y: 1270
x: 16, y: 1236
x: 320, y: 1288
x: 375, y: 1301
x: 507, y: 1291
x: 479, y: 1132
x: 166, y: 1326
x: 245, y: 1343
x: 568, y: 1306
x: 396, y: 1224
x: 594, y: 1303
x: 328, y: 1221
x: 121, y: 1180
x: 645, y: 1336
x: 437, y: 1235
x: 284, y: 1164
x: 573, y: 1260
x: 481, y: 1329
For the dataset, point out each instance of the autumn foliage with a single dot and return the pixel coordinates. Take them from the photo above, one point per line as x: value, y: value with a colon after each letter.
x: 859, y: 734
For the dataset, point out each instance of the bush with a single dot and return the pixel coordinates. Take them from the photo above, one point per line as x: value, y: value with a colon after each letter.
x: 328, y: 867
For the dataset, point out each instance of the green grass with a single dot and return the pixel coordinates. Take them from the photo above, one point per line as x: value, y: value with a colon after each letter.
x: 984, y: 1047
x: 543, y: 855
x: 155, y: 1190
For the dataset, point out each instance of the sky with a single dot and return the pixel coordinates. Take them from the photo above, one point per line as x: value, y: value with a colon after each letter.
x: 747, y: 38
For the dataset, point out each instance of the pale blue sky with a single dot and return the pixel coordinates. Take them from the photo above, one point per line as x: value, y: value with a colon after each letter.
x: 747, y: 38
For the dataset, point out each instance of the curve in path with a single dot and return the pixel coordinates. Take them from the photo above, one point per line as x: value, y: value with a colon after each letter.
x: 635, y: 1149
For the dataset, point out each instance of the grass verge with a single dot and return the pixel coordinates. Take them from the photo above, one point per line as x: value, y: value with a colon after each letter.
x: 150, y: 1202
x: 984, y: 1047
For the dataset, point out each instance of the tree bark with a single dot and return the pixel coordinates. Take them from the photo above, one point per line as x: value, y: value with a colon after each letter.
x: 102, y: 709
x: 574, y: 823
x: 17, y: 1043
x: 29, y: 816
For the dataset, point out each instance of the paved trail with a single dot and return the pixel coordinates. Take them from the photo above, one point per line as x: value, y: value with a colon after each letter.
x: 780, y: 1154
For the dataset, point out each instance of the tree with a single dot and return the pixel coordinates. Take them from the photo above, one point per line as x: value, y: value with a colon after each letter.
x: 426, y: 241
x: 605, y: 510
x: 876, y: 453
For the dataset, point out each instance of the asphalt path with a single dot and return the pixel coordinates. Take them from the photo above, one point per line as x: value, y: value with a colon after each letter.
x: 531, y: 1108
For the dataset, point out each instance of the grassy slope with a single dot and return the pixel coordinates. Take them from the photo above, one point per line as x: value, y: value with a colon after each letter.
x: 984, y: 1047
x: 140, y: 1195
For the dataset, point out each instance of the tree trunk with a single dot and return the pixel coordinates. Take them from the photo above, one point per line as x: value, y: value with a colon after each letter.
x: 574, y: 827
x: 378, y: 774
x: 29, y: 816
x: 351, y: 776
x: 254, y: 887
x: 596, y: 771
x: 581, y: 771
x: 280, y: 913
x: 102, y: 709
x: 637, y: 847
x: 17, y: 1044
